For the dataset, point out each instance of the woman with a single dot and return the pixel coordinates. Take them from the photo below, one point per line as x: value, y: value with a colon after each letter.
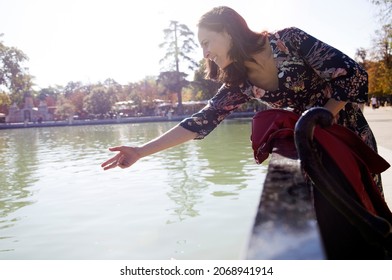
x: 286, y: 69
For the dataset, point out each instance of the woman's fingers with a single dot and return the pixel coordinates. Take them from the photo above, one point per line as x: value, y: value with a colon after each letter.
x: 109, y: 165
x: 116, y: 149
x: 123, y: 159
x: 112, y: 162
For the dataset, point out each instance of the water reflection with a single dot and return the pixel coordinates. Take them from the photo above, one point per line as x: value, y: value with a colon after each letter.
x: 228, y: 153
x: 212, y: 163
x: 18, y: 161
x: 182, y: 165
x: 55, y: 199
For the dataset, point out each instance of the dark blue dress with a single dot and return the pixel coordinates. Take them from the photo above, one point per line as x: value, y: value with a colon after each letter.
x: 310, y: 72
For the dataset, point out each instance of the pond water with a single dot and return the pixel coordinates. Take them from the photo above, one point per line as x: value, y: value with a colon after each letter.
x: 194, y: 201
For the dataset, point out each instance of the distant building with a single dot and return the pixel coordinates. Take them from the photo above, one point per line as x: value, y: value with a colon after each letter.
x: 29, y: 113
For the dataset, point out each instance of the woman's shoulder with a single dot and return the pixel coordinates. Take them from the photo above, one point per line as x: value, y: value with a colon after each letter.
x: 291, y: 37
x: 287, y: 32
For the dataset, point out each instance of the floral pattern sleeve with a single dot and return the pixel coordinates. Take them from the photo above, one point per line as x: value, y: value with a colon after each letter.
x: 218, y: 108
x: 347, y: 79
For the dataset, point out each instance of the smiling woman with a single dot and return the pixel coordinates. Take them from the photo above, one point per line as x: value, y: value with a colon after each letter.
x: 215, y: 46
x: 288, y: 69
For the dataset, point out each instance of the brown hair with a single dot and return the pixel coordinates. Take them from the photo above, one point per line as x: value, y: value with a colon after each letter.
x: 245, y: 42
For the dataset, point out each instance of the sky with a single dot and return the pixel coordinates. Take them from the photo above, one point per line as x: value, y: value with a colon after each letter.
x: 92, y: 40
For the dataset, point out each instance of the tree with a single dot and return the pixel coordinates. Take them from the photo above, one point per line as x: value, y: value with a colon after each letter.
x: 5, y: 101
x: 361, y: 56
x: 77, y: 99
x: 98, y: 102
x: 173, y: 82
x: 113, y: 88
x: 380, y: 68
x: 14, y: 78
x: 50, y: 95
x: 75, y: 92
x: 206, y: 88
x: 71, y: 87
x: 143, y: 94
x: 64, y: 108
x: 378, y: 60
x: 385, y: 10
x: 179, y: 44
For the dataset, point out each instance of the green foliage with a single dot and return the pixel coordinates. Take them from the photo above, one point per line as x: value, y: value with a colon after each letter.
x: 378, y: 62
x: 64, y: 108
x: 179, y: 44
x: 172, y: 81
x: 14, y: 78
x: 4, y: 99
x: 99, y: 101
x: 206, y: 88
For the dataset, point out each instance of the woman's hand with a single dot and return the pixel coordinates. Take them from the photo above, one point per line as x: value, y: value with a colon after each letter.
x: 129, y: 155
x: 125, y: 157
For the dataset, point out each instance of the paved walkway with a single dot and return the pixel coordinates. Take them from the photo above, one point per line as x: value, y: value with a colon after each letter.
x: 380, y: 121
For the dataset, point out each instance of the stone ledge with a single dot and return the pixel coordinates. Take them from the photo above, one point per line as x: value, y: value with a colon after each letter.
x: 285, y: 225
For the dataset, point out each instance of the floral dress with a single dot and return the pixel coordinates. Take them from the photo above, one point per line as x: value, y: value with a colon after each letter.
x: 310, y: 72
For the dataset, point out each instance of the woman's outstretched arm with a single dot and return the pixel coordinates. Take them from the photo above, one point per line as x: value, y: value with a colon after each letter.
x: 127, y: 156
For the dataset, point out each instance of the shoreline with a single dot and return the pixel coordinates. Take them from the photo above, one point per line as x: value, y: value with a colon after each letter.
x: 235, y: 115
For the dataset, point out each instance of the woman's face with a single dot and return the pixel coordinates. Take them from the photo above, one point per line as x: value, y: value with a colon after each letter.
x: 215, y: 46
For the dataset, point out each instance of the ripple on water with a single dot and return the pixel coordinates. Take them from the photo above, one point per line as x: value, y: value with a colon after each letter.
x: 57, y: 203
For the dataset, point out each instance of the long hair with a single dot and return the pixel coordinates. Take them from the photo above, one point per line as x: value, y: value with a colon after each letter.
x: 245, y: 43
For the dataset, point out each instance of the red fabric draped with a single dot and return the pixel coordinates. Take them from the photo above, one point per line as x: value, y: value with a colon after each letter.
x: 351, y: 155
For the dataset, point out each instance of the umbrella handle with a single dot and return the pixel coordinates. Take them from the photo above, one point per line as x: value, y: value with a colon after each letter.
x: 374, y: 229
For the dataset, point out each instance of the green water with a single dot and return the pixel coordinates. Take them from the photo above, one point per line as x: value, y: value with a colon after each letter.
x: 194, y: 201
